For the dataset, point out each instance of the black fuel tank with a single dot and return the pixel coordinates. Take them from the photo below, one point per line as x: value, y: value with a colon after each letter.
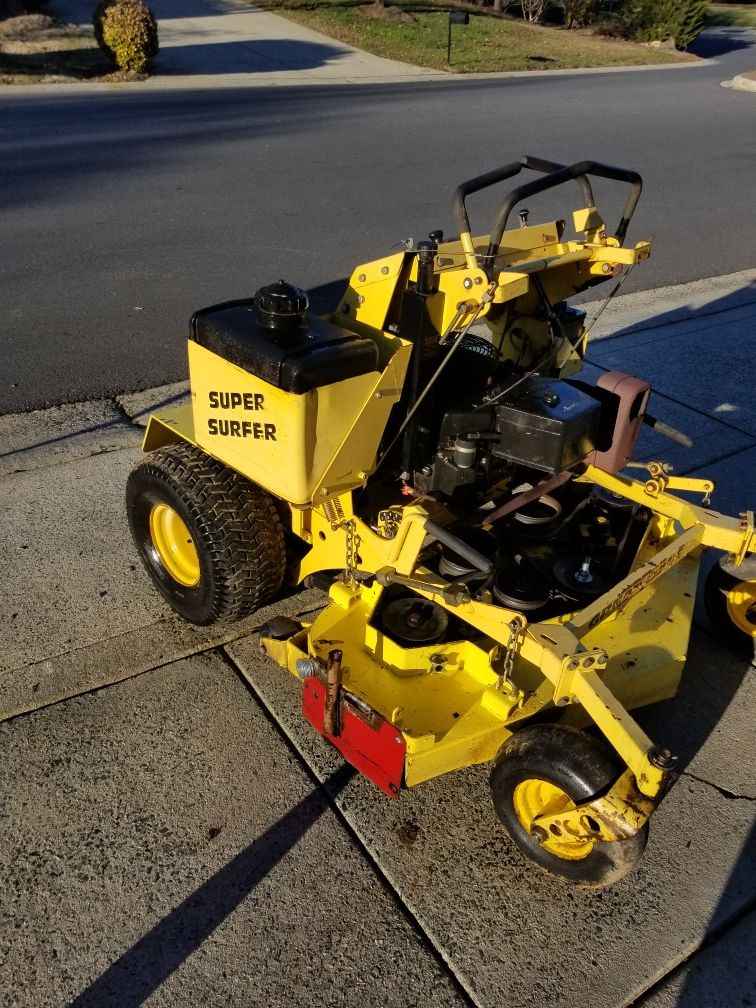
x: 301, y: 353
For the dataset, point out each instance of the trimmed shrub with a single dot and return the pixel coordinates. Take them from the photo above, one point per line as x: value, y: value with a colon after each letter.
x: 127, y: 31
x: 690, y: 22
x: 680, y: 21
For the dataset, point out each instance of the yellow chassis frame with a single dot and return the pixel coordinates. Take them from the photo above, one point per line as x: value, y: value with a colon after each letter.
x: 457, y: 702
x: 409, y: 684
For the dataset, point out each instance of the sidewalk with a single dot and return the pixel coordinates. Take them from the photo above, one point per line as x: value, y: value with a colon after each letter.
x: 182, y: 837
x: 227, y: 42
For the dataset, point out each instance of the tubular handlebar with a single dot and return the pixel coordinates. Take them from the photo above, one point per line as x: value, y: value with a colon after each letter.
x: 554, y: 175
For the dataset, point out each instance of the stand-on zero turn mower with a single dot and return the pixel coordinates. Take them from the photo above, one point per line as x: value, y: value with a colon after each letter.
x: 494, y: 577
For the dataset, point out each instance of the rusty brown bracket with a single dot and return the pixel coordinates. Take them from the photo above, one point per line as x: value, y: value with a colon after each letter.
x: 332, y: 719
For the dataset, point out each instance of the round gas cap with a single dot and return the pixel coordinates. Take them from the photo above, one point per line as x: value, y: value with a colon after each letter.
x: 281, y: 305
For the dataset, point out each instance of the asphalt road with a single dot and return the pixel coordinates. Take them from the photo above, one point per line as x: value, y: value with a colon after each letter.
x: 123, y: 213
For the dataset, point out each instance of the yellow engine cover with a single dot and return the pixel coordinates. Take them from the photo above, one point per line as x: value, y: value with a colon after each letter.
x: 302, y: 448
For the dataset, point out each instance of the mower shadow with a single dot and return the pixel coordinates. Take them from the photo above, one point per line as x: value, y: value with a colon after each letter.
x: 711, y: 974
x: 710, y: 681
x: 133, y: 978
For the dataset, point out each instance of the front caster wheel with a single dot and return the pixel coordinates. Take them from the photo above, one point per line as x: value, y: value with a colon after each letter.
x: 731, y: 606
x: 211, y: 541
x: 548, y: 769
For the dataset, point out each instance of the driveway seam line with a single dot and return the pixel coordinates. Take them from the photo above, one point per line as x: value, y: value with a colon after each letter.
x: 729, y: 795
x: 181, y: 656
x: 710, y: 939
x: 414, y: 922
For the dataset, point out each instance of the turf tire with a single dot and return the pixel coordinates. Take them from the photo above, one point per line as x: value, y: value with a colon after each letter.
x: 234, y: 525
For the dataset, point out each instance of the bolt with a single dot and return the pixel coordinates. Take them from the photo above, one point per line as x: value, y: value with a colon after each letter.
x: 662, y: 759
x: 467, y: 283
x: 362, y: 278
x: 360, y: 299
x: 562, y: 701
x: 584, y: 575
x: 379, y: 395
x: 307, y: 667
x: 345, y: 309
x: 384, y: 270
x: 538, y: 834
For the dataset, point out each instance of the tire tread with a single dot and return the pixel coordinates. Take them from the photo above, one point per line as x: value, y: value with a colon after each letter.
x: 238, y: 522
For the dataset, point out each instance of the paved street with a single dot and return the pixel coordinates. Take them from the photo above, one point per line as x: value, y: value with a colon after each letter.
x: 124, y: 210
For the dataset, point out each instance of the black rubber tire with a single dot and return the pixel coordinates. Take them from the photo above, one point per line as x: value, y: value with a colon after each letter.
x: 234, y: 525
x: 716, y: 587
x: 583, y: 768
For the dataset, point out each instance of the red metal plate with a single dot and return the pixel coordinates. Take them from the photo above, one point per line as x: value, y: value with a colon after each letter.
x: 377, y: 752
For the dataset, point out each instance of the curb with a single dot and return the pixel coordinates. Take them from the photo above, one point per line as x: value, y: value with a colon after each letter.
x: 295, y: 78
x: 743, y: 82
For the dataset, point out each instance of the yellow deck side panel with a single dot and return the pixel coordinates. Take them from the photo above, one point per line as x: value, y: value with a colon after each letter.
x: 648, y: 643
x: 299, y: 447
x: 450, y: 718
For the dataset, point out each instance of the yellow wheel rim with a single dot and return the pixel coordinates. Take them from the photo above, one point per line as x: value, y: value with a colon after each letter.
x: 536, y: 797
x: 175, y: 546
x: 741, y: 606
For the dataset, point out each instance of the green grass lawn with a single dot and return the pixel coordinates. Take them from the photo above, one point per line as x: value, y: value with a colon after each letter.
x: 488, y: 44
x: 31, y: 54
x: 732, y: 15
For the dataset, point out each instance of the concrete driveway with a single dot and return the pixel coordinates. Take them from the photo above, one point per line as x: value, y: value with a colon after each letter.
x: 175, y: 834
x: 230, y: 41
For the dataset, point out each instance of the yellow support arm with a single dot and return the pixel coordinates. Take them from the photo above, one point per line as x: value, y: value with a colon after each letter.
x: 731, y: 535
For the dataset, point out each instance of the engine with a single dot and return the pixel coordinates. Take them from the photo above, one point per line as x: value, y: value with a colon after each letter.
x: 500, y: 446
x: 484, y: 417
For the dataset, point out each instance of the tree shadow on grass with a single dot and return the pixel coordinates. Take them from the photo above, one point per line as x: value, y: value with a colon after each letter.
x: 74, y: 64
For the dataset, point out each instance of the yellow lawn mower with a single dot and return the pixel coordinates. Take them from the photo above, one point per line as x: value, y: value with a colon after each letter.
x: 429, y: 453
